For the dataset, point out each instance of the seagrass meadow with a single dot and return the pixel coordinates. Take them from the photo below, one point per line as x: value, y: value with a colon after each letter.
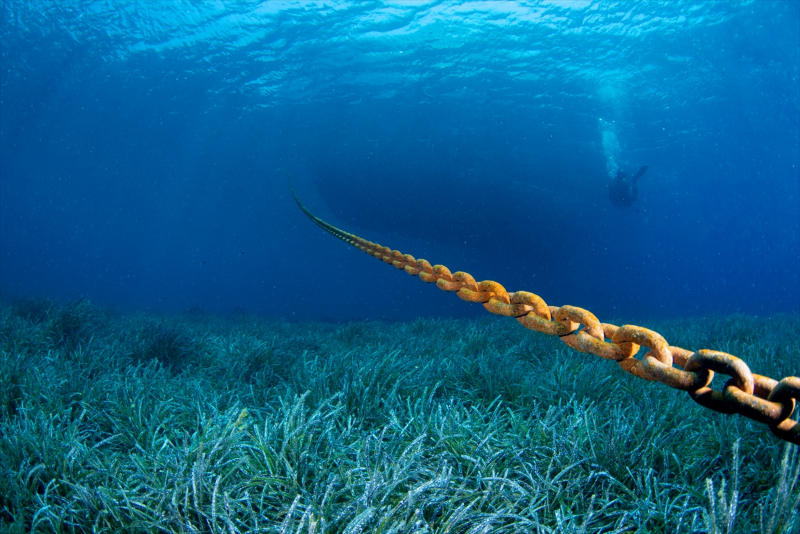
x: 115, y: 422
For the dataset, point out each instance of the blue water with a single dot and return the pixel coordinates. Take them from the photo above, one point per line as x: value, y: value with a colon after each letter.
x: 145, y: 150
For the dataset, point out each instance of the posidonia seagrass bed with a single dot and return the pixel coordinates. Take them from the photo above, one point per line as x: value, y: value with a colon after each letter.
x: 195, y: 423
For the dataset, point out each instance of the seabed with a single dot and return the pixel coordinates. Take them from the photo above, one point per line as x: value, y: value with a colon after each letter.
x: 116, y: 422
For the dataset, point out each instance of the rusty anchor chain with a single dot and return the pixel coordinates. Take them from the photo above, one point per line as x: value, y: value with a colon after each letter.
x: 761, y: 398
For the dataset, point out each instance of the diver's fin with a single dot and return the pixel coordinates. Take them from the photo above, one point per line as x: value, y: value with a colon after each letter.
x: 640, y: 173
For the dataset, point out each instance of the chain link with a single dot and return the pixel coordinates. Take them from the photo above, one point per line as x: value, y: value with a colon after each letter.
x: 757, y: 397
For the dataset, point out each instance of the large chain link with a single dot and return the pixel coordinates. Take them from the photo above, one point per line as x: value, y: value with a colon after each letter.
x: 760, y: 398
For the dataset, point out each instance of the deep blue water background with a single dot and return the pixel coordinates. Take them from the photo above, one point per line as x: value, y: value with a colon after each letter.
x: 145, y: 148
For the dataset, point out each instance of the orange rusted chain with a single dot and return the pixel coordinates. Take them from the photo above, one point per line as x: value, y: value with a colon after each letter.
x: 760, y: 398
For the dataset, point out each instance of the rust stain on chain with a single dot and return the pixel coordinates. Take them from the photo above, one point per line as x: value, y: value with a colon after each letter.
x: 760, y: 398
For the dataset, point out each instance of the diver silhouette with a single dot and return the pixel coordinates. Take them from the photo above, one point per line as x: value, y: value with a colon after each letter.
x: 622, y: 192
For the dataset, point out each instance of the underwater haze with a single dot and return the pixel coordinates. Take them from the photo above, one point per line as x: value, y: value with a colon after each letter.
x: 183, y: 350
x: 146, y: 149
